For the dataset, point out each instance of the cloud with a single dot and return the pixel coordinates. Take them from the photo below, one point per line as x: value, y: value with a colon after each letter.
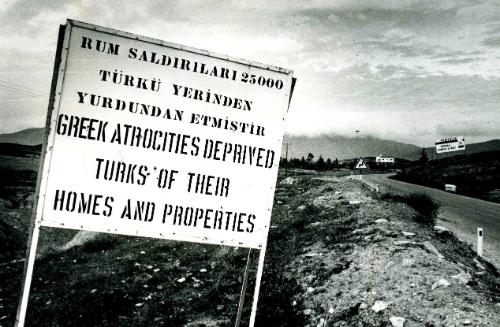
x: 461, y: 60
x: 485, y: 129
x: 395, y: 69
x: 493, y: 41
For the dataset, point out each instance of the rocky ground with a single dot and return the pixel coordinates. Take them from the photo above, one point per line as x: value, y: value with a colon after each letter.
x: 339, y: 254
x: 365, y: 260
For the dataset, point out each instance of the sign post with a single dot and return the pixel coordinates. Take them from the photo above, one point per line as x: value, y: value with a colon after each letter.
x: 154, y: 139
x: 360, y: 165
x: 480, y: 237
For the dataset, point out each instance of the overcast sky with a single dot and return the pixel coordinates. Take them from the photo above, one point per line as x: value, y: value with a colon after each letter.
x: 411, y: 71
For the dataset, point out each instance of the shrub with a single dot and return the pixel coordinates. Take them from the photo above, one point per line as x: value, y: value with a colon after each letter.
x: 102, y: 242
x: 425, y: 206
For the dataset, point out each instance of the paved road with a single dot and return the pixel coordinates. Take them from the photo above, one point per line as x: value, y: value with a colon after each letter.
x: 461, y: 214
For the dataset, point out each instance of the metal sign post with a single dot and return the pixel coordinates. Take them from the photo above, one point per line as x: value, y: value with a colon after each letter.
x: 28, y: 275
x: 243, y: 289
x: 260, y: 270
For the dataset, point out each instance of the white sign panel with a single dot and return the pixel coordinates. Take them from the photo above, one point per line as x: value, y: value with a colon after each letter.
x: 154, y: 139
x: 380, y: 159
x: 450, y: 144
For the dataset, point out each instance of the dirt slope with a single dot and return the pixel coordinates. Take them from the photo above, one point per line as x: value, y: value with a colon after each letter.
x: 336, y: 252
x: 363, y: 261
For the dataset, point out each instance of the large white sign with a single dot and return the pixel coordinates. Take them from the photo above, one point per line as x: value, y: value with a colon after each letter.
x: 450, y: 144
x: 155, y: 139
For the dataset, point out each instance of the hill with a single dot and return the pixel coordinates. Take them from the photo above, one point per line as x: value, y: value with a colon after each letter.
x: 341, y: 147
x: 475, y: 174
x: 30, y: 136
x: 20, y: 150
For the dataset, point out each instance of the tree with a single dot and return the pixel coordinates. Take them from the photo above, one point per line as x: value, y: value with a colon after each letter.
x: 283, y: 162
x: 310, y: 157
x: 423, y: 156
x: 328, y: 164
x: 302, y: 163
x: 320, y: 164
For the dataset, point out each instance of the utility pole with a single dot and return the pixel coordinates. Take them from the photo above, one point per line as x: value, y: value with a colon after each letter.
x: 286, y: 159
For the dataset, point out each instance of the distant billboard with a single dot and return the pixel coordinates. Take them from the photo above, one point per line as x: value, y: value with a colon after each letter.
x: 450, y: 144
x: 155, y: 139
x: 384, y: 160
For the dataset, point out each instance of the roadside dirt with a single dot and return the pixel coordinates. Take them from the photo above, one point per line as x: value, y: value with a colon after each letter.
x: 364, y: 261
x: 339, y: 254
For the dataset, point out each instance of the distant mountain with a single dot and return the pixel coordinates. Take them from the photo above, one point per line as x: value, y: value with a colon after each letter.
x: 491, y: 145
x: 30, y: 136
x: 341, y: 147
x: 20, y: 150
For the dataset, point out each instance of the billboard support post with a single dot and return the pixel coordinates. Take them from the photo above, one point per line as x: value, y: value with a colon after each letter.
x: 243, y: 289
x: 260, y: 269
x: 28, y: 274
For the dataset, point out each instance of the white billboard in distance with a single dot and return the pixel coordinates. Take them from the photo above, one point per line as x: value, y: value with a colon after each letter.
x: 450, y: 144
x: 155, y: 139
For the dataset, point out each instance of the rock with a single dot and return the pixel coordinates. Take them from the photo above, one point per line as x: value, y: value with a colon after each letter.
x: 478, y: 264
x: 381, y: 221
x: 354, y: 202
x: 362, y: 306
x: 389, y: 264
x: 440, y: 283
x: 330, y: 311
x: 406, y: 243
x: 310, y: 289
x: 301, y: 208
x: 220, y: 307
x: 288, y: 181
x: 379, y: 306
x: 408, y: 263
x: 307, y: 312
x: 408, y: 234
x: 397, y: 321
x: 462, y: 277
x: 138, y: 305
x: 181, y: 280
x: 466, y: 322
x: 441, y: 229
x: 432, y: 249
